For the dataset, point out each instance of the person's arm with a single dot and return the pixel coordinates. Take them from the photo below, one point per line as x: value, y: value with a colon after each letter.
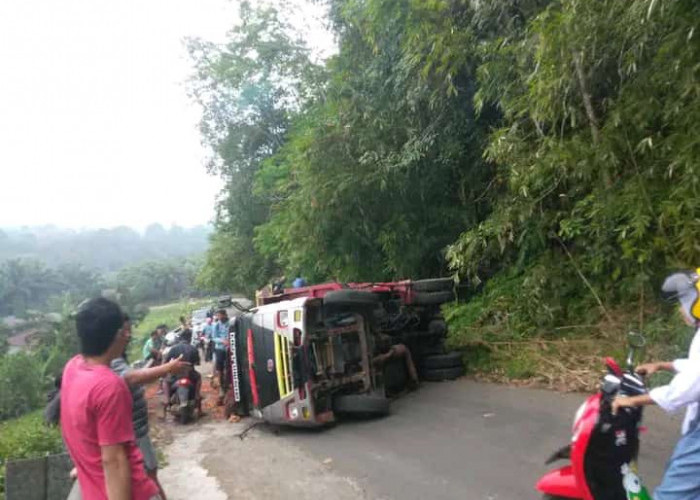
x: 146, y: 375
x: 651, y: 368
x: 681, y: 391
x: 117, y: 472
x: 631, y: 402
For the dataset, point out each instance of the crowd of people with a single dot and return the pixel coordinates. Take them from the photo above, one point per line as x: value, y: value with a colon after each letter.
x: 100, y: 400
x: 103, y: 415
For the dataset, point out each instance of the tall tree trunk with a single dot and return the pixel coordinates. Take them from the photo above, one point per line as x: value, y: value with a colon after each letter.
x: 590, y: 112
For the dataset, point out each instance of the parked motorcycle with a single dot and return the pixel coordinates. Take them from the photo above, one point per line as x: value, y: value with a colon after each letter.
x: 183, y: 399
x: 604, y: 447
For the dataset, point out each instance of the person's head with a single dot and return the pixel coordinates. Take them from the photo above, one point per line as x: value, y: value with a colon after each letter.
x: 222, y: 315
x: 685, y: 288
x: 155, y: 334
x: 186, y: 336
x: 102, y: 328
x: 162, y: 329
x: 208, y: 321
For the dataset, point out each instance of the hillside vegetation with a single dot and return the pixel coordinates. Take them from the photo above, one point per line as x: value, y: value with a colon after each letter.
x: 544, y: 152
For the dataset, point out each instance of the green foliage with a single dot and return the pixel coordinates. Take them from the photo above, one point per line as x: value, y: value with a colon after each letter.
x: 158, y: 280
x: 26, y: 284
x: 541, y: 150
x: 249, y: 89
x: 26, y: 437
x: 596, y: 165
x: 22, y: 385
x: 168, y: 314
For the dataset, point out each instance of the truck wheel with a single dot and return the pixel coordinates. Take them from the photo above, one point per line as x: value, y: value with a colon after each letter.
x: 450, y: 360
x: 361, y: 405
x: 395, y: 376
x: 434, y: 285
x: 437, y: 327
x: 438, y: 374
x: 432, y: 298
x: 431, y: 350
x: 351, y: 297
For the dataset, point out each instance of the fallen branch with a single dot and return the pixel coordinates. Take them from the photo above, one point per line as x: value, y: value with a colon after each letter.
x: 241, y: 435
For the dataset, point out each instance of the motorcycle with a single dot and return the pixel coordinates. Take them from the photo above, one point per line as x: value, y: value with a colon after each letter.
x: 604, y: 447
x: 182, y: 399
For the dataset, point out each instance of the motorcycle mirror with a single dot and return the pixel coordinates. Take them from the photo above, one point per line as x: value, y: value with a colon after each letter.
x: 636, y: 340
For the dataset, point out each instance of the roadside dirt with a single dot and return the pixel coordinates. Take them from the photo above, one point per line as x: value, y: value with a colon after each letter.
x: 215, y: 459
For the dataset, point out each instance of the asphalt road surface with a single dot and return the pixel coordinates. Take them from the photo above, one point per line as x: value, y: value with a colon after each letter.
x: 449, y: 440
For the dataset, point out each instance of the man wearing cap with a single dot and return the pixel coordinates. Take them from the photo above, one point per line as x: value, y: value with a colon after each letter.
x: 682, y: 477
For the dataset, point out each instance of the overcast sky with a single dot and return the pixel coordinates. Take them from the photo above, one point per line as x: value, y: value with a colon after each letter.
x: 96, y: 129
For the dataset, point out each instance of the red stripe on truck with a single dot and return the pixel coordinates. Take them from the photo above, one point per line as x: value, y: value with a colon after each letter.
x: 251, y: 369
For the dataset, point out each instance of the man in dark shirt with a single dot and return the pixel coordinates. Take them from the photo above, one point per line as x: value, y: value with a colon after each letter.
x: 189, y: 353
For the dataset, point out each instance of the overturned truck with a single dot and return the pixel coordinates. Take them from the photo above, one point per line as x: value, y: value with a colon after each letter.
x: 308, y: 355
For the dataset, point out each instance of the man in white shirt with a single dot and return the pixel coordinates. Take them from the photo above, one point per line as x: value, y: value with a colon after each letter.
x: 682, y: 477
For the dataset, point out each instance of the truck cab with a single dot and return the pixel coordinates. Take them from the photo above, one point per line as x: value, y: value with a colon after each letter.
x: 293, y: 361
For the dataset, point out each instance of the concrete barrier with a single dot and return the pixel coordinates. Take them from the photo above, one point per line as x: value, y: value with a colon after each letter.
x: 45, y: 478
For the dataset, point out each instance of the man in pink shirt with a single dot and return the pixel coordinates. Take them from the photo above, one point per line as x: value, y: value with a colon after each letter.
x: 96, y: 410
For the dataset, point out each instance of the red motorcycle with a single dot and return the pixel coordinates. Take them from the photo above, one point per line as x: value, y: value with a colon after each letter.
x: 604, y: 447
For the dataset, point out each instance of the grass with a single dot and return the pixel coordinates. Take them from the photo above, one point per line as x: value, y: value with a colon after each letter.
x: 168, y: 314
x: 567, y: 358
x: 27, y: 437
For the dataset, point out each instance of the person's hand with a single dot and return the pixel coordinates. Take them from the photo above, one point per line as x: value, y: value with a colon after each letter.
x: 621, y: 402
x: 177, y: 366
x: 73, y: 473
x: 648, y: 369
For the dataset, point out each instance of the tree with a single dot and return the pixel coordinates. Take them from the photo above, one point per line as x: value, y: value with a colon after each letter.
x: 25, y: 284
x: 248, y: 89
x: 596, y: 166
x: 383, y: 171
x: 22, y: 383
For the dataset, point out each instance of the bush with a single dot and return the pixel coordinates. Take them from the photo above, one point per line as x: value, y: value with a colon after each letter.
x: 168, y: 315
x: 26, y: 437
x: 22, y: 385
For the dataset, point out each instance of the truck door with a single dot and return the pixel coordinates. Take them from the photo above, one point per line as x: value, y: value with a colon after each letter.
x: 263, y: 333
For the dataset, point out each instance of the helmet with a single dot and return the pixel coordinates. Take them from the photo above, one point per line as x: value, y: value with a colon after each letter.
x: 685, y: 287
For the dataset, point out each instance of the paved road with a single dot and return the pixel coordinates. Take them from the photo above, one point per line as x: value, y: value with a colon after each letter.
x: 450, y: 440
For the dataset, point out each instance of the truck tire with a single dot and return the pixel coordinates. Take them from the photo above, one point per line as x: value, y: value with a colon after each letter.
x: 431, y: 350
x: 438, y: 374
x: 432, y: 298
x: 361, y: 405
x: 351, y: 298
x: 437, y: 327
x: 395, y: 376
x: 450, y: 360
x: 434, y: 285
